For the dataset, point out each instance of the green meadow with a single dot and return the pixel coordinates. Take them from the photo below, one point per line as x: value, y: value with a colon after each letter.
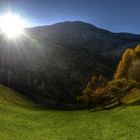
x: 21, y: 120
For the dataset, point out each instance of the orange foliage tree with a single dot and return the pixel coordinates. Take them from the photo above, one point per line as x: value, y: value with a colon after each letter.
x: 124, y: 64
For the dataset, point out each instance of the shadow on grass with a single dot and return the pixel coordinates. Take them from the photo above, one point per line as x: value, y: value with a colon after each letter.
x: 111, y: 107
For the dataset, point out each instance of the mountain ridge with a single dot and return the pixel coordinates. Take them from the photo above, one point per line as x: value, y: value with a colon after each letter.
x: 57, y: 62
x: 83, y: 23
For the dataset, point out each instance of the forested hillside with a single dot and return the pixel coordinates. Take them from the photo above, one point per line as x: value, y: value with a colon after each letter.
x: 56, y: 62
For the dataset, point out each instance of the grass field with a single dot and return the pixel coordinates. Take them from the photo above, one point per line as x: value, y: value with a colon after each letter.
x: 20, y: 120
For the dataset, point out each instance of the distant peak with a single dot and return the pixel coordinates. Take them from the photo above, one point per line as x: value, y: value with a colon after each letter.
x: 74, y: 23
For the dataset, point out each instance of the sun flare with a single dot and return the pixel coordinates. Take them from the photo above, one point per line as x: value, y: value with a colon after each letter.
x: 11, y: 25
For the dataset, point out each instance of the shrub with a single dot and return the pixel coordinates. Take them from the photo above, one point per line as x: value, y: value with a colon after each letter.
x: 117, y: 89
x: 114, y: 91
x: 90, y: 94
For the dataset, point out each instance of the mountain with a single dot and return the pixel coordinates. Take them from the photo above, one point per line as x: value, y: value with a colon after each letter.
x: 54, y: 63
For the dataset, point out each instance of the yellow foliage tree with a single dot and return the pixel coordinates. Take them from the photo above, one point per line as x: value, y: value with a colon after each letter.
x: 134, y: 71
x: 137, y: 51
x: 124, y: 64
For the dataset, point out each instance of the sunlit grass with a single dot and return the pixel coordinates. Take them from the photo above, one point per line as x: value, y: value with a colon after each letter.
x: 133, y: 96
x: 21, y: 120
x: 22, y: 123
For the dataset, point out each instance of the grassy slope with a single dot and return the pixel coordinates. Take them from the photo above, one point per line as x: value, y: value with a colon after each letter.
x: 132, y: 97
x: 21, y: 123
x: 18, y: 123
x: 11, y: 97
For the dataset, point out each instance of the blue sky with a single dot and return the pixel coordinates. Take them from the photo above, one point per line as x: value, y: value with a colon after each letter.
x: 114, y: 15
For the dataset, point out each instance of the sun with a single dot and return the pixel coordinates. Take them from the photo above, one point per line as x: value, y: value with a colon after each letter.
x: 11, y: 25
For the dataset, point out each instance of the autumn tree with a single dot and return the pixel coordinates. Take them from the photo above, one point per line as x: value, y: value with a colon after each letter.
x: 137, y: 51
x: 90, y: 95
x: 134, y: 71
x: 124, y: 65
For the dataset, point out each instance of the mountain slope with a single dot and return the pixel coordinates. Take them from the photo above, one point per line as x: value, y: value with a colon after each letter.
x: 55, y: 62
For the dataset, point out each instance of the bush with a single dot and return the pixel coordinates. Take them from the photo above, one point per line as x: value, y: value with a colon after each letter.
x: 90, y: 94
x: 117, y: 89
x: 114, y: 91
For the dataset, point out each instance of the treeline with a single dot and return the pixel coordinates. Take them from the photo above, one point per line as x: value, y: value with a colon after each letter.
x: 103, y: 93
